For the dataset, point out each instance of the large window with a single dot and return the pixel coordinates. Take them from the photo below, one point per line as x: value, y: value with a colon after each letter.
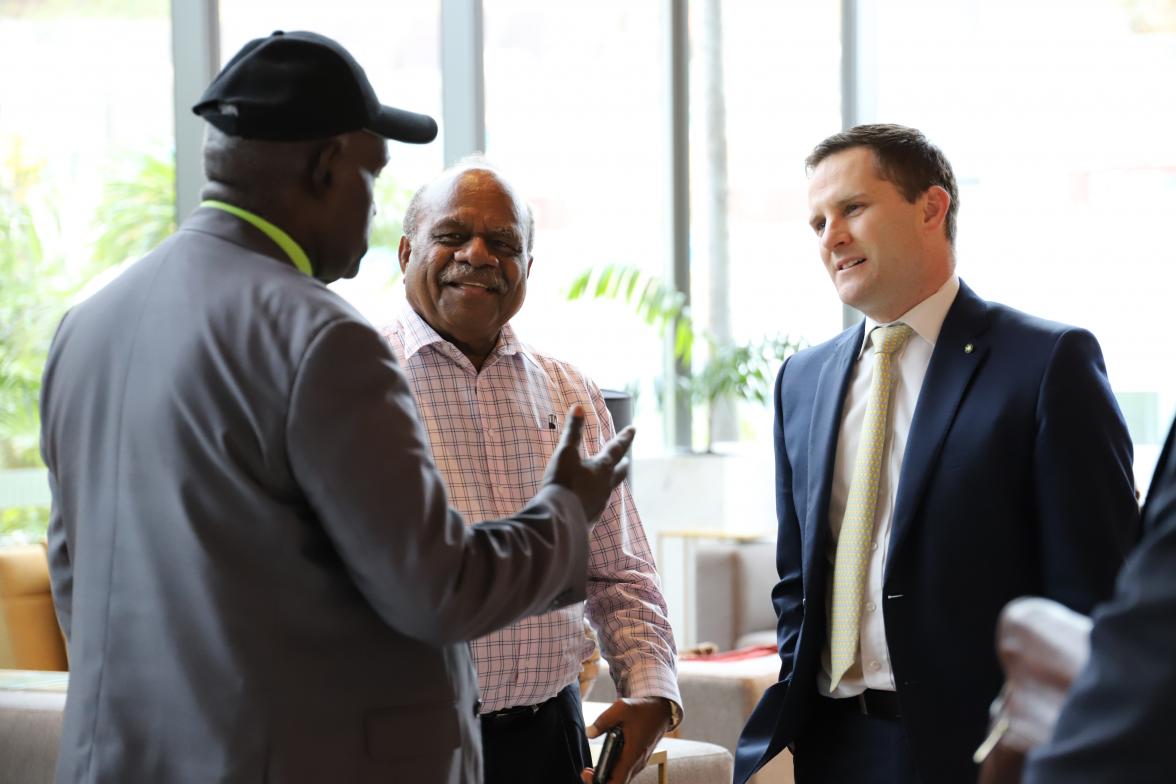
x: 86, y: 183
x: 576, y: 116
x: 765, y: 88
x: 1056, y: 117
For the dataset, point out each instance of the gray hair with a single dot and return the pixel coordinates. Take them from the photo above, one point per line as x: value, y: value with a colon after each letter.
x: 475, y: 162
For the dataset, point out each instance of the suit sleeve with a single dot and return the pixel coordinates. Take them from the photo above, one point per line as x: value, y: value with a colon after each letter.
x: 1116, y: 724
x: 359, y: 453
x: 788, y: 593
x: 60, y: 565
x: 57, y: 537
x: 1085, y: 486
x: 1113, y: 726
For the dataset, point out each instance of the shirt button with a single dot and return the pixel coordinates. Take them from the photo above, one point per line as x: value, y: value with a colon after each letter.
x: 875, y: 666
x: 873, y: 546
x: 870, y: 607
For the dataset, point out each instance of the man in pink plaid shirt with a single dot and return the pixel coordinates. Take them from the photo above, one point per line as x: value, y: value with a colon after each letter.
x: 493, y: 407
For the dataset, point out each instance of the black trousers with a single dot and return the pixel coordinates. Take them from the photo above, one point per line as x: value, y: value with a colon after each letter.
x: 545, y: 747
x: 843, y: 746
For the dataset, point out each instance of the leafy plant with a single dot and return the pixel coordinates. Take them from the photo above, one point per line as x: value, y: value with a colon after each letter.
x: 31, y: 300
x: 654, y: 300
x: 738, y: 371
x: 730, y: 371
x: 136, y: 213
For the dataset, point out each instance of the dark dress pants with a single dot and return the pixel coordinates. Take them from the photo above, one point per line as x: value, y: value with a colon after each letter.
x: 547, y: 746
x: 841, y: 745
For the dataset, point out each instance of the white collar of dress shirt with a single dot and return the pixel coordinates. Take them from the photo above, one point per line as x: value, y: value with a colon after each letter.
x: 926, y: 318
x: 418, y: 334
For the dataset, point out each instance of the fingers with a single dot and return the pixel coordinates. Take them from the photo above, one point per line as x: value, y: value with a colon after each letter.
x: 613, y: 454
x: 573, y: 430
x: 586, y: 776
x: 609, y: 718
x: 619, y: 445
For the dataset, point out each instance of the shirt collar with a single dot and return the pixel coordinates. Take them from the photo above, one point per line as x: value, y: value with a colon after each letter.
x: 926, y: 318
x: 418, y: 334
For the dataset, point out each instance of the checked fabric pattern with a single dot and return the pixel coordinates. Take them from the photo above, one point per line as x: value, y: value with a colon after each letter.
x: 857, y: 527
x: 491, y: 433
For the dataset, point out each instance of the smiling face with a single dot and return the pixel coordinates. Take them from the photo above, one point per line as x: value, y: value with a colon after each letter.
x: 466, y: 265
x: 884, y: 254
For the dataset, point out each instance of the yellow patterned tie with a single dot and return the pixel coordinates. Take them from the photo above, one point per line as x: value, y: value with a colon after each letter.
x: 857, y: 527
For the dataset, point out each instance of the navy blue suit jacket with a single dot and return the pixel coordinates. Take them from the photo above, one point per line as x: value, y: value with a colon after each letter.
x: 1116, y: 725
x: 1016, y: 480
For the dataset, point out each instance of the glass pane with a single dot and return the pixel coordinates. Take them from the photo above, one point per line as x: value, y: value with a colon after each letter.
x: 399, y: 47
x: 576, y: 117
x: 86, y: 139
x: 765, y: 88
x: 1066, y: 165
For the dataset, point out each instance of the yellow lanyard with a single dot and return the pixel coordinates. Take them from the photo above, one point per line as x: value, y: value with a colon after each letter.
x: 281, y: 239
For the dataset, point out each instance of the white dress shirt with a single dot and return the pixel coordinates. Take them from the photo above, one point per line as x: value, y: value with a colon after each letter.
x: 872, y: 670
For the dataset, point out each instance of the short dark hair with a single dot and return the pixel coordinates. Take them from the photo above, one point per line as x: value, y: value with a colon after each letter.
x: 904, y: 157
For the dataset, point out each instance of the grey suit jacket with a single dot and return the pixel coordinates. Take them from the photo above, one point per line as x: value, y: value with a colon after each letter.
x: 252, y: 554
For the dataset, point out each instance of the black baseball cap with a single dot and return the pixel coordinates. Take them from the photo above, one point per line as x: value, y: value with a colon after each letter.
x: 302, y: 86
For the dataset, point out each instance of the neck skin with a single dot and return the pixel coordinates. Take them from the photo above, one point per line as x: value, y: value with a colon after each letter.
x: 939, y: 267
x: 274, y: 208
x: 476, y: 354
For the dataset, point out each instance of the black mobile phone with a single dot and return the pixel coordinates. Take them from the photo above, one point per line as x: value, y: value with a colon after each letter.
x: 610, y: 752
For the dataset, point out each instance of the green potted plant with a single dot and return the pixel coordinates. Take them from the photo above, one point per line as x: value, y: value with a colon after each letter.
x: 729, y: 370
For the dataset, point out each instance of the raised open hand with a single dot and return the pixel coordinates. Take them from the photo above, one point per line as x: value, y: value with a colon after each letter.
x: 592, y: 479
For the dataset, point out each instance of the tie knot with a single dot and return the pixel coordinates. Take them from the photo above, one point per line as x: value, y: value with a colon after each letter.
x: 889, y: 339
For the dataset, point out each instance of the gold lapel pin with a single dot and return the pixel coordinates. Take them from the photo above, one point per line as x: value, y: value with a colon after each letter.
x: 969, y: 348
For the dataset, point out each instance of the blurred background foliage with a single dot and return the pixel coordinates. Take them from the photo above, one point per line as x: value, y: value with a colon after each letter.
x: 723, y: 371
x: 136, y: 212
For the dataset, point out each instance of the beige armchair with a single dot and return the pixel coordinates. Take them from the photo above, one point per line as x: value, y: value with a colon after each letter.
x: 30, y: 638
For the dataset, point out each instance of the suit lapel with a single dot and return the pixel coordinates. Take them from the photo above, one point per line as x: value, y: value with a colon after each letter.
x: 948, y: 375
x: 826, y: 422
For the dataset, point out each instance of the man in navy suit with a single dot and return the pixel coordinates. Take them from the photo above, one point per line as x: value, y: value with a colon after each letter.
x: 1000, y: 465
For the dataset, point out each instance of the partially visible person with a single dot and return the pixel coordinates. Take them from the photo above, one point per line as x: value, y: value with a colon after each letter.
x: 1115, y: 724
x: 253, y: 557
x: 492, y: 406
x: 934, y: 461
x: 1041, y: 645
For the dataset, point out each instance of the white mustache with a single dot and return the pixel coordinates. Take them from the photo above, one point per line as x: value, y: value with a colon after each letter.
x: 469, y: 275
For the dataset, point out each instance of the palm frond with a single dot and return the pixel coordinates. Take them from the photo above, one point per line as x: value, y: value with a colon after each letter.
x: 652, y: 299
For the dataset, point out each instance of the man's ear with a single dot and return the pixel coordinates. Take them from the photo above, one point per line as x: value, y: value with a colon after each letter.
x: 936, y: 202
x: 324, y: 164
x: 530, y: 261
x: 404, y: 252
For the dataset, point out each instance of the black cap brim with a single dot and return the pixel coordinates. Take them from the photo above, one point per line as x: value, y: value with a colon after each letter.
x: 402, y: 126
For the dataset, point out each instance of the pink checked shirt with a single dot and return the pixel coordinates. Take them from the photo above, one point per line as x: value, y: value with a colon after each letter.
x: 491, y: 434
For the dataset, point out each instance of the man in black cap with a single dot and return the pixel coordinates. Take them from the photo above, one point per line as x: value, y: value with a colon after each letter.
x: 253, y: 558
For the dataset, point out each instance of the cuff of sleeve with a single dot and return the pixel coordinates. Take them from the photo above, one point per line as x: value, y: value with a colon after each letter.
x: 675, y: 715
